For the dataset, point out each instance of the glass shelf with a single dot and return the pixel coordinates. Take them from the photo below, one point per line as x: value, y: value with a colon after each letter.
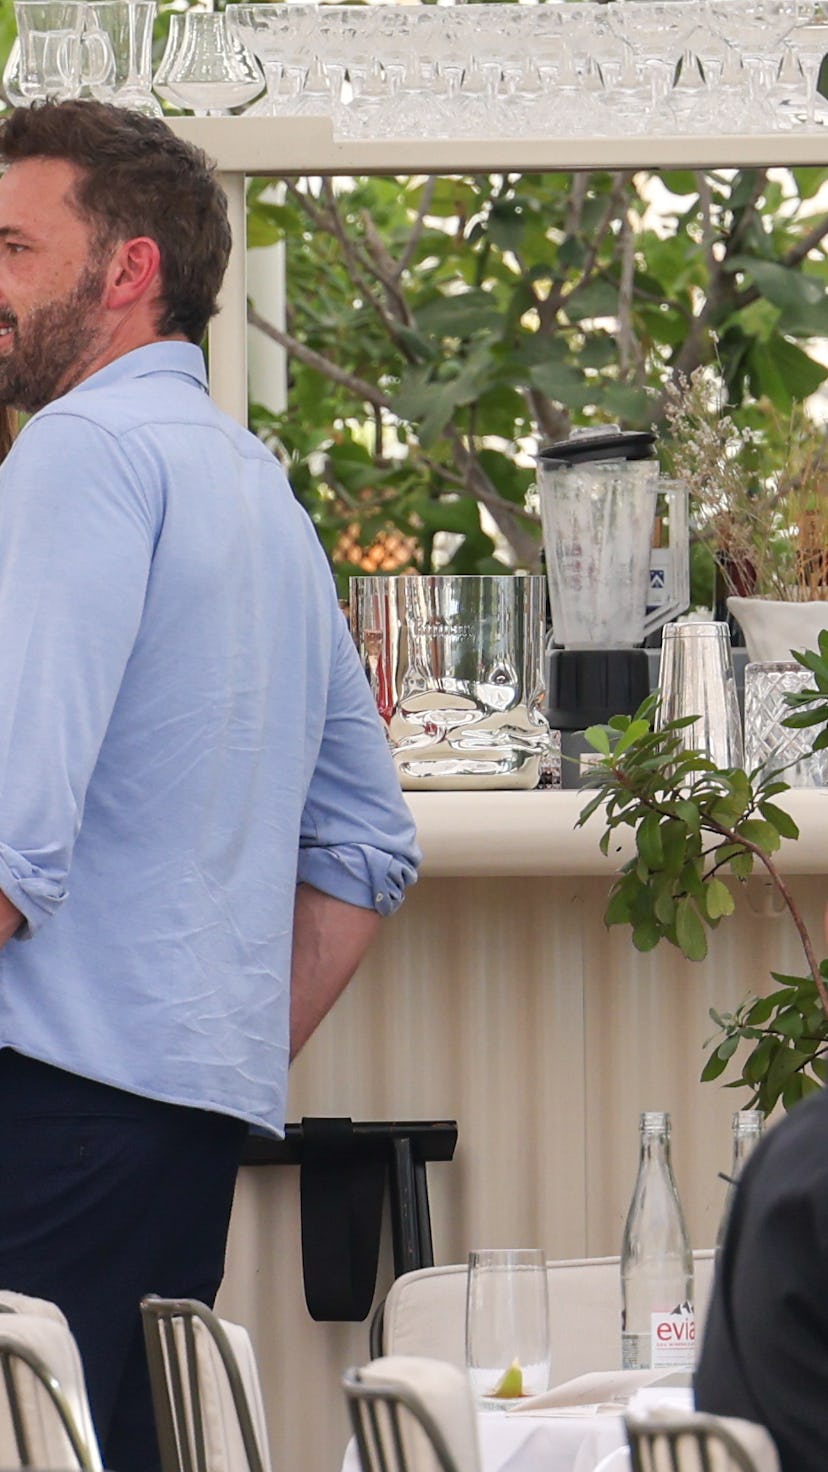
x: 281, y: 146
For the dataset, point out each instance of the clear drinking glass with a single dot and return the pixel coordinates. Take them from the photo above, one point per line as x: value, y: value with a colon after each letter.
x: 808, y: 44
x: 507, y: 1324
x: 126, y: 28
x: 11, y: 77
x: 205, y: 68
x: 287, y: 41
x: 49, y: 32
x: 696, y: 679
x: 768, y: 743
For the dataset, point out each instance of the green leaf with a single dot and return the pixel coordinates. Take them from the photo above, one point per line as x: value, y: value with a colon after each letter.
x: 619, y: 909
x: 646, y: 935
x: 784, y: 286
x: 782, y: 821
x: 648, y: 840
x: 460, y: 315
x: 761, y: 1010
x: 627, y: 402
x: 680, y: 181
x: 592, y: 806
x: 665, y: 909
x: 784, y: 372
x: 718, y: 899
x: 690, y: 932
x: 784, y: 1064
x: 758, y: 1063
x: 633, y: 731
x: 598, y: 738
x: 799, y: 720
x: 790, y: 1023
x: 808, y: 181
x: 562, y: 383
x: 714, y: 1067
x: 597, y: 299
x: 762, y: 834
x: 675, y: 842
x: 689, y: 814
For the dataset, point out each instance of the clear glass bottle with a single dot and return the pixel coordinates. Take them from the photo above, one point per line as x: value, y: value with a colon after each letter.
x: 748, y: 1125
x: 658, y: 1327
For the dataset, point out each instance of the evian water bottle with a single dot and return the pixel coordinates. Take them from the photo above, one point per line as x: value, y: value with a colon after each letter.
x: 747, y: 1132
x: 658, y: 1326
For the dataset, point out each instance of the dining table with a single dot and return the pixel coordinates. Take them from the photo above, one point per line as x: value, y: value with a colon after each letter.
x: 578, y: 1438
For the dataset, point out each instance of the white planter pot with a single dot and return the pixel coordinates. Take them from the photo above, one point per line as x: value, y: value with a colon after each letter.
x: 772, y: 629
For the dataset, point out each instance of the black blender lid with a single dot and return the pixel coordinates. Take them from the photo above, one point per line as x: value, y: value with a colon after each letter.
x: 610, y: 443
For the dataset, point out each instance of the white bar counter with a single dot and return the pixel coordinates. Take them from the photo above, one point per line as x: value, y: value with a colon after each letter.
x: 533, y: 833
x: 497, y: 997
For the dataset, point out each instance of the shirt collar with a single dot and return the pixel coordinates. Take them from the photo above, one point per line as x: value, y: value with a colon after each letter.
x: 182, y: 358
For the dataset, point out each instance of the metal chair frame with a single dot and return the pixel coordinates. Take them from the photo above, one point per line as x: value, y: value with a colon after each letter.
x: 12, y: 1354
x: 369, y: 1405
x: 647, y: 1438
x: 178, y: 1416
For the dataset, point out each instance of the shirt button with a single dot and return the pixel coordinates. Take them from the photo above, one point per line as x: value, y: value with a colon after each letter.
x: 378, y: 899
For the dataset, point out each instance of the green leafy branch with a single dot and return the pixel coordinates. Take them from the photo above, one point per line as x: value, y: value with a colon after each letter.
x: 697, y: 825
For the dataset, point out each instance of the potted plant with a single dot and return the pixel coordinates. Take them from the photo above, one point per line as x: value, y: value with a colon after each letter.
x: 759, y: 507
x: 694, y: 824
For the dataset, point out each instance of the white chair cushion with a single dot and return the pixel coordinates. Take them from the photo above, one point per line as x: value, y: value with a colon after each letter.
x: 22, y: 1303
x: 224, y: 1447
x: 49, y: 1338
x: 756, y: 1440
x: 446, y: 1394
x: 425, y: 1313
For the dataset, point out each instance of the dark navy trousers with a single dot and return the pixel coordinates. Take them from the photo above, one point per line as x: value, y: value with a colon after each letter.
x: 104, y: 1197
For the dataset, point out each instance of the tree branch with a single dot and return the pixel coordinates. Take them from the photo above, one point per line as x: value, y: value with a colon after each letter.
x: 357, y: 386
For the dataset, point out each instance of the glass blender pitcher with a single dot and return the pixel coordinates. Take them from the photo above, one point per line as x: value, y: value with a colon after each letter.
x: 609, y: 587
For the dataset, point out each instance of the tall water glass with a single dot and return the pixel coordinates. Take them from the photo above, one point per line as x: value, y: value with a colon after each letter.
x: 49, y: 32
x: 507, y: 1324
x: 696, y: 678
x: 126, y: 28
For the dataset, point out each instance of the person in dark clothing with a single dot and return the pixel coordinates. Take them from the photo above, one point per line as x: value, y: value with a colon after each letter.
x: 764, y: 1354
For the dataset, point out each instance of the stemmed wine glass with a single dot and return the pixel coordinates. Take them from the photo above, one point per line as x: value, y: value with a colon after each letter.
x: 808, y: 46
x: 205, y: 68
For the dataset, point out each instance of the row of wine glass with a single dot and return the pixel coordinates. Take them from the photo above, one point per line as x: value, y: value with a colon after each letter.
x: 472, y: 70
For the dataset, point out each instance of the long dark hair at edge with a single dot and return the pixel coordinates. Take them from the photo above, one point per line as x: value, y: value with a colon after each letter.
x: 8, y: 430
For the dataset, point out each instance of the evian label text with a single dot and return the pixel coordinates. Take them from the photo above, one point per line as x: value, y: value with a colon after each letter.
x: 673, y: 1338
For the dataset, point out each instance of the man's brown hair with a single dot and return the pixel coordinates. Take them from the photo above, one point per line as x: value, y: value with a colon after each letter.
x: 137, y: 178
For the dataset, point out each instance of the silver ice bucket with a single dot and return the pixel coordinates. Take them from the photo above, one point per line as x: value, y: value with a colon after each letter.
x: 456, y: 665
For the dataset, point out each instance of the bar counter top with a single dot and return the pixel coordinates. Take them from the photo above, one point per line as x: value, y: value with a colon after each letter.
x: 475, y: 833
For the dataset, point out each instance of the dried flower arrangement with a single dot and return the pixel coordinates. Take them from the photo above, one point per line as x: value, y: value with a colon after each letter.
x: 758, y: 497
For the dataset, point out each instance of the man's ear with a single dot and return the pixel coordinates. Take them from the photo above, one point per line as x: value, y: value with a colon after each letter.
x: 132, y: 273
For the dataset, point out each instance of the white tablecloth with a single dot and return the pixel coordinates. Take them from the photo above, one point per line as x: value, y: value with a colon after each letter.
x: 542, y: 1443
x: 554, y: 1440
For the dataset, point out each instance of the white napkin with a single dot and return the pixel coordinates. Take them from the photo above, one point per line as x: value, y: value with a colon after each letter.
x: 652, y: 1399
x: 601, y: 1388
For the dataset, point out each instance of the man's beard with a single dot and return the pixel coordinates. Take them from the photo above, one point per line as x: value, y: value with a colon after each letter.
x: 55, y: 347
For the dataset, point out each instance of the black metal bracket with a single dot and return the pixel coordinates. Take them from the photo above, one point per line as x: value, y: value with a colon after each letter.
x: 406, y: 1147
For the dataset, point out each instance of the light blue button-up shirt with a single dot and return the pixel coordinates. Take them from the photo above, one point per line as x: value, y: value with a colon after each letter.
x: 185, y: 733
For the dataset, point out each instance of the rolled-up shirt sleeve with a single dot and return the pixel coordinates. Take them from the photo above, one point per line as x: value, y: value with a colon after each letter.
x: 358, y: 840
x: 75, y: 551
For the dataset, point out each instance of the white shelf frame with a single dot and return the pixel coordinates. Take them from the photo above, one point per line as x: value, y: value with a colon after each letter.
x: 288, y: 147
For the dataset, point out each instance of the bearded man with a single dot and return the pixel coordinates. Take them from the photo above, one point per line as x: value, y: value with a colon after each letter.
x: 200, y: 823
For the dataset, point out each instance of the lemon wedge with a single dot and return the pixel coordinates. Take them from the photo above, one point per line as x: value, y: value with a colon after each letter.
x: 510, y: 1384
